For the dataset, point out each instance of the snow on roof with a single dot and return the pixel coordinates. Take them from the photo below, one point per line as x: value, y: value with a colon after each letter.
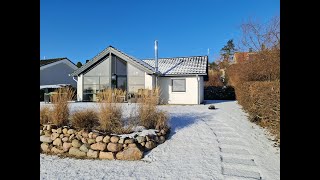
x: 181, y: 65
x: 167, y: 66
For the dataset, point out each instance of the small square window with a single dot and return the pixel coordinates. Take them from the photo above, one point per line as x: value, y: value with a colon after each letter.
x: 178, y: 85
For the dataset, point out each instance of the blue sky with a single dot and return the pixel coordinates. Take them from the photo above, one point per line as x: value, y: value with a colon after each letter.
x: 80, y: 29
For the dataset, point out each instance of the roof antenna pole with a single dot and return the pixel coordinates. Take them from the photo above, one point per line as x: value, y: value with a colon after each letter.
x: 156, y: 61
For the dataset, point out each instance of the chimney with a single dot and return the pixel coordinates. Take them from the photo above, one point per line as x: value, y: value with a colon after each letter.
x: 156, y: 55
x: 87, y: 60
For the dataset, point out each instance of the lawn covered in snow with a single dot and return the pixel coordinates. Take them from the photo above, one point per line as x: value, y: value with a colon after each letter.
x: 203, y: 144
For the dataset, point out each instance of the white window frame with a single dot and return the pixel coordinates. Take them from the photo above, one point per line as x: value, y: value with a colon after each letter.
x: 185, y: 85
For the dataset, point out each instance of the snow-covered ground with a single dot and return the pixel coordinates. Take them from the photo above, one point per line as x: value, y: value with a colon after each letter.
x: 203, y: 144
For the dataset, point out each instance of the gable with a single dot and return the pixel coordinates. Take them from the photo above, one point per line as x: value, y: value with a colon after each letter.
x: 106, y: 53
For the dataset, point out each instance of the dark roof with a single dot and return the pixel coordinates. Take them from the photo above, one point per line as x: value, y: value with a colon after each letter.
x: 181, y: 65
x: 167, y: 66
x: 49, y: 61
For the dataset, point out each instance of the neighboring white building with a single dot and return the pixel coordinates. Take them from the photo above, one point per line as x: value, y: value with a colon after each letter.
x: 56, y: 71
x: 180, y: 79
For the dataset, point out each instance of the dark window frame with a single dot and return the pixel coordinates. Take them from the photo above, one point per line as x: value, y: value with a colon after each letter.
x: 185, y: 84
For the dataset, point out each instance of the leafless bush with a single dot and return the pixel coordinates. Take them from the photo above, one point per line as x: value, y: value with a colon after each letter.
x: 110, y: 113
x: 45, y: 116
x: 148, y: 114
x: 214, y: 78
x: 60, y: 112
x: 84, y: 119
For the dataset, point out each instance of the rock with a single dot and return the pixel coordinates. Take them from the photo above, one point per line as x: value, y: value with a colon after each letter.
x: 41, y: 132
x: 57, y: 142
x: 95, y: 135
x: 49, y: 127
x: 54, y: 136
x: 45, y: 139
x: 132, y: 145
x: 158, y: 134
x: 114, y: 147
x: 163, y: 132
x: 211, y: 107
x: 114, y: 139
x: 65, y: 131
x: 121, y: 140
x: 132, y: 153
x: 124, y: 145
x: 57, y: 151
x: 129, y: 141
x: 71, y: 137
x: 162, y: 139
x: 99, y: 138
x: 44, y: 127
x: 84, y: 140
x: 71, y: 131
x: 76, y: 152
x: 47, y: 133
x: 150, y: 145
x: 141, y: 139
x: 65, y: 139
x: 98, y: 146
x: 54, y: 130
x: 106, y: 139
x: 148, y: 138
x: 59, y: 130
x: 61, y: 136
x: 85, y: 134
x: 85, y: 147
x: 45, y: 147
x: 143, y: 143
x: 90, y: 135
x: 79, y: 137
x: 91, y: 141
x: 156, y: 139
x: 66, y: 146
x: 66, y: 135
x: 106, y: 155
x: 76, y: 143
x: 93, y: 154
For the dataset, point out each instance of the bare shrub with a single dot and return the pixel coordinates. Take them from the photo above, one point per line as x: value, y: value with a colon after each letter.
x: 148, y: 114
x: 60, y: 112
x: 161, y: 120
x: 45, y: 116
x: 214, y: 78
x: 110, y: 113
x: 84, y: 119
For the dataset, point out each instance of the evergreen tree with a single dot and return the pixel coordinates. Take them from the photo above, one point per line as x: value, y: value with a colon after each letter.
x: 228, y: 50
x: 79, y: 64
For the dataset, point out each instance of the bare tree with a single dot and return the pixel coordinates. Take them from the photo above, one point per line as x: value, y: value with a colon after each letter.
x: 261, y: 36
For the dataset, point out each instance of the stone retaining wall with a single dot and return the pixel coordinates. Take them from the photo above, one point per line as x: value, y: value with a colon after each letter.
x: 81, y: 144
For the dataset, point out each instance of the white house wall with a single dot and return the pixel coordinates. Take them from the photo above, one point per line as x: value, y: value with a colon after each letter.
x: 149, y: 81
x: 57, y: 74
x: 80, y: 88
x: 188, y: 97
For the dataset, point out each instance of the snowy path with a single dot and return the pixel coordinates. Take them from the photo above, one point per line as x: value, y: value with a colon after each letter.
x: 204, y: 144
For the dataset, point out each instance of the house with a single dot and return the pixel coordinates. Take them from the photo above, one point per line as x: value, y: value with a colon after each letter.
x: 240, y: 57
x: 56, y: 71
x: 180, y: 79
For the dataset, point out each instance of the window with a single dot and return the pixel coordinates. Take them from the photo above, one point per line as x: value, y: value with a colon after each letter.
x: 178, y: 85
